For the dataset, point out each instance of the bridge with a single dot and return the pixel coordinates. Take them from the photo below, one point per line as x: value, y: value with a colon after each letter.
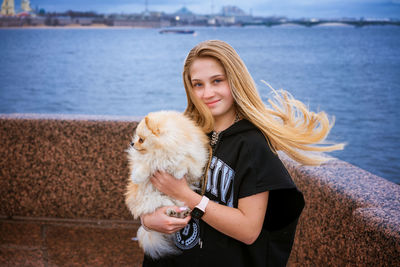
x: 314, y: 22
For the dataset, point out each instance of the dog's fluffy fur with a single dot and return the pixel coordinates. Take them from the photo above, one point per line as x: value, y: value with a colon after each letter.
x: 164, y: 141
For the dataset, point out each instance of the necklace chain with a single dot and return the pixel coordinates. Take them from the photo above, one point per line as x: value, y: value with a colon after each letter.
x: 215, y: 134
x: 214, y: 138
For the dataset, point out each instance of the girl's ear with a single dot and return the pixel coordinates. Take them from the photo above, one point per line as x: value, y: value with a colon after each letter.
x: 152, y: 126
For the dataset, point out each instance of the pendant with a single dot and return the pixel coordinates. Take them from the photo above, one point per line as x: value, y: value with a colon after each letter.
x: 214, y: 138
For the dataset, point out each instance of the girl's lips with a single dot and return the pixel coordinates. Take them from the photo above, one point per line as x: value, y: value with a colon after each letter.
x: 211, y: 103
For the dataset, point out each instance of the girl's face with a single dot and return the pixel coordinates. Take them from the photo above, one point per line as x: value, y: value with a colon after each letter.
x: 210, y: 85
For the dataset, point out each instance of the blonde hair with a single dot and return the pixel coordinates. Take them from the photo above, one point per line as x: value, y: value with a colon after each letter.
x: 287, y: 125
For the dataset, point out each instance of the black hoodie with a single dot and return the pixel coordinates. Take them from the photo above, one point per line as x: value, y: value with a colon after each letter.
x: 242, y: 165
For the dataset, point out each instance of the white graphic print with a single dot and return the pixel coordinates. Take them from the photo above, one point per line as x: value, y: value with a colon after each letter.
x: 189, y: 236
x: 220, y: 181
x: 219, y: 184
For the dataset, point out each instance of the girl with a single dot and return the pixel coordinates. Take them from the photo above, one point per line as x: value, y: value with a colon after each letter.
x: 248, y: 213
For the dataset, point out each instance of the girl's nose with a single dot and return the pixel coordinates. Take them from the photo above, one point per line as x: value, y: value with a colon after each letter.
x: 208, y: 91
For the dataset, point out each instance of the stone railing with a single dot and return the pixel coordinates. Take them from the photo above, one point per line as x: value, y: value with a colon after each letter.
x: 352, y: 217
x: 75, y: 167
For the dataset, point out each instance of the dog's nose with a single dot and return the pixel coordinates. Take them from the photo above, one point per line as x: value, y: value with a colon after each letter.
x: 132, y: 144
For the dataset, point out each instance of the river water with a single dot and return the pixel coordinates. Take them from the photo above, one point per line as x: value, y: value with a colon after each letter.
x: 351, y: 73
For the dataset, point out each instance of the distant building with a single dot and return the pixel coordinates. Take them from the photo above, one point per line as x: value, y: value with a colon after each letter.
x: 7, y: 8
x: 184, y: 16
x: 140, y: 23
x: 83, y: 21
x: 38, y: 21
x: 26, y: 6
x: 184, y: 11
x: 225, y: 20
x: 232, y: 15
x: 58, y: 21
x: 233, y: 11
x: 154, y: 20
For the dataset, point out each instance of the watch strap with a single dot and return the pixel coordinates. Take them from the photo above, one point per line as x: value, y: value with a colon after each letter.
x: 203, y: 203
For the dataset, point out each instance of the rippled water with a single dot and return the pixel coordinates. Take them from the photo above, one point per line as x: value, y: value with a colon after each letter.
x: 352, y: 73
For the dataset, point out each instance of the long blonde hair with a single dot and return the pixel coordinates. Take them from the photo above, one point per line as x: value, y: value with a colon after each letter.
x: 288, y: 125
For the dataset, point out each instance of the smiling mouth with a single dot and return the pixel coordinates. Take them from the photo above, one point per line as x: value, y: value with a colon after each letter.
x: 212, y: 102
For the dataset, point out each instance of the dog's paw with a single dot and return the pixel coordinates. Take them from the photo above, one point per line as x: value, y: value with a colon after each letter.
x: 185, y: 213
x: 171, y: 212
x: 181, y: 214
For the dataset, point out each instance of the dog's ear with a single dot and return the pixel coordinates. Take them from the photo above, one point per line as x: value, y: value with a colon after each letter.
x: 152, y: 126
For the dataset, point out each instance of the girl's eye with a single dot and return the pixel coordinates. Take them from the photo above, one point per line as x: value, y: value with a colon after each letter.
x: 197, y: 85
x: 217, y: 81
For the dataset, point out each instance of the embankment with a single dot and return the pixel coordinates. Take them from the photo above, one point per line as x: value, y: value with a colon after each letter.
x: 75, y: 168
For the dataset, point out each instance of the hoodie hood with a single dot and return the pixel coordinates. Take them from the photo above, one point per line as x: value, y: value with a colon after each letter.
x: 239, y: 127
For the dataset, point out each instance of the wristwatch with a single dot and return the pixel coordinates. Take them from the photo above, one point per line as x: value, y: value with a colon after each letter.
x: 199, y: 210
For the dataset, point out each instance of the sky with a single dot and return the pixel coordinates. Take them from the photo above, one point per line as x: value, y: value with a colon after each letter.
x: 288, y: 8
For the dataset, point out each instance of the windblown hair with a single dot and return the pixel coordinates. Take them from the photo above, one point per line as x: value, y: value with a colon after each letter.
x: 287, y: 124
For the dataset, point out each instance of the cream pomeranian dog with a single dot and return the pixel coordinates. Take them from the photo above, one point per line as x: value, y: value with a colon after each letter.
x: 164, y: 141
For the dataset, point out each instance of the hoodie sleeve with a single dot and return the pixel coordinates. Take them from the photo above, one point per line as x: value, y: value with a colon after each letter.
x: 260, y: 170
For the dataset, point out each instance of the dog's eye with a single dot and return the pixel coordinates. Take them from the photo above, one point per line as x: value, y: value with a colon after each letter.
x: 140, y: 140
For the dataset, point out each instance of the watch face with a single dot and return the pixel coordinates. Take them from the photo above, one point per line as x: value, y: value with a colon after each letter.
x: 197, y: 213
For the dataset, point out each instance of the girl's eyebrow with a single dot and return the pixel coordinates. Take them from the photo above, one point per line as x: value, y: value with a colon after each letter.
x: 212, y: 77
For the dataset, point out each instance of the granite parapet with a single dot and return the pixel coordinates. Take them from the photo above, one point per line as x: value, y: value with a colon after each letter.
x: 64, y: 167
x: 351, y: 218
x: 60, y: 173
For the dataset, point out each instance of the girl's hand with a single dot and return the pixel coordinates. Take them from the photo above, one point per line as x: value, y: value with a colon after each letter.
x: 169, y: 185
x: 159, y: 221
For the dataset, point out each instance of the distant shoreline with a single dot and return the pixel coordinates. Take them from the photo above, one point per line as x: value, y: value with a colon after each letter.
x: 104, y: 26
x: 75, y: 26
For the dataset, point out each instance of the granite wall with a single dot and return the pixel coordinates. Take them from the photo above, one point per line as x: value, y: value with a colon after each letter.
x: 352, y: 217
x: 75, y: 167
x: 61, y: 167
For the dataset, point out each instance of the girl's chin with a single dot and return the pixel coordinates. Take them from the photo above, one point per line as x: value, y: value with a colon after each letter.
x: 217, y: 113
